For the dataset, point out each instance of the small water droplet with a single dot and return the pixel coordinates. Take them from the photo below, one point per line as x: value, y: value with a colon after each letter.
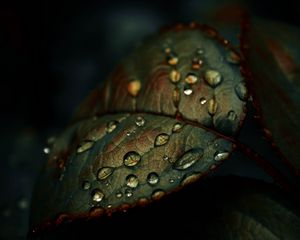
x: 203, y: 101
x: 172, y: 58
x: 165, y: 158
x: 119, y: 195
x: 233, y: 58
x: 157, y: 194
x: 86, y: 185
x: 109, y: 206
x: 187, y: 90
x: 111, y: 126
x: 231, y: 115
x: 104, y: 173
x: 152, y: 178
x: 196, y: 63
x: 200, y: 51
x: 213, y: 78
x: 212, y: 106
x: 190, y: 178
x: 86, y: 145
x: 177, y: 127
x: 131, y: 159
x: 134, y: 87
x: 188, y: 159
x: 97, y: 195
x: 191, y: 78
x: 161, y: 139
x: 220, y: 156
x: 132, y: 181
x: 241, y: 91
x: 128, y: 192
x: 128, y: 133
x: 140, y: 121
x: 174, y: 76
x: 46, y: 150
x: 171, y: 180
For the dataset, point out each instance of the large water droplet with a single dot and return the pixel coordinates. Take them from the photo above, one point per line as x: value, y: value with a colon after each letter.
x: 174, y: 76
x: 152, y: 178
x: 157, y: 194
x: 128, y: 192
x: 134, y: 87
x: 177, y: 127
x: 111, y: 126
x: 212, y: 106
x: 132, y: 181
x: 161, y: 139
x: 86, y: 145
x: 241, y: 91
x: 86, y: 185
x: 220, y: 156
x: 140, y: 121
x: 97, y: 195
x: 191, y: 78
x: 213, y: 78
x: 188, y: 159
x: 188, y: 179
x: 131, y: 159
x: 104, y: 173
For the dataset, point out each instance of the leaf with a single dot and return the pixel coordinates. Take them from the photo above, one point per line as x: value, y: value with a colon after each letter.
x: 273, y: 56
x: 160, y: 122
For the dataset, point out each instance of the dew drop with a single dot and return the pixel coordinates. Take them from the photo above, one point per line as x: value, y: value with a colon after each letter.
x: 132, y: 181
x: 191, y: 78
x: 188, y: 159
x: 172, y: 58
x: 233, y: 58
x: 152, y: 178
x: 165, y: 157
x: 97, y: 195
x: 177, y: 127
x: 128, y: 192
x: 134, y: 87
x: 220, y: 156
x: 200, y: 51
x: 157, y: 194
x: 187, y: 90
x: 161, y: 139
x: 111, y: 126
x: 131, y: 159
x: 212, y: 106
x: 171, y: 180
x: 104, y: 173
x: 174, y: 76
x: 196, y: 63
x: 119, y: 195
x: 86, y: 185
x: 188, y: 179
x: 140, y: 121
x: 46, y: 150
x: 203, y: 101
x: 241, y: 91
x: 86, y: 145
x: 231, y: 115
x: 213, y: 78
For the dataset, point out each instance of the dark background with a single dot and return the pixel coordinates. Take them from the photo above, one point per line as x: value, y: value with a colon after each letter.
x: 53, y: 53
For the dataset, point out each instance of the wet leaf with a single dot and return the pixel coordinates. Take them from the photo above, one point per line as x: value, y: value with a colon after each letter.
x: 273, y: 55
x: 148, y: 131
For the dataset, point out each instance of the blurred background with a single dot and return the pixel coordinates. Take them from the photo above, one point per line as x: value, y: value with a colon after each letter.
x: 53, y: 53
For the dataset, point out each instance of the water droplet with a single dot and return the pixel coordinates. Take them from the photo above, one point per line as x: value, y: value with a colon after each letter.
x: 152, y: 178
x: 220, y: 156
x: 86, y: 145
x: 174, y: 76
x: 187, y: 90
x: 200, y: 51
x: 165, y: 158
x: 196, y: 63
x: 188, y: 179
x: 128, y: 192
x: 157, y: 194
x: 241, y: 91
x: 134, y: 87
x: 213, y: 78
x: 46, y: 150
x: 97, y: 195
x: 128, y: 133
x: 104, y: 173
x: 161, y: 139
x: 119, y: 195
x: 231, y: 115
x: 188, y: 159
x: 171, y: 180
x: 140, y: 121
x: 212, y: 106
x: 132, y: 181
x: 131, y: 159
x: 172, y: 58
x: 191, y: 78
x: 203, y: 101
x: 111, y: 126
x: 96, y: 211
x: 86, y: 185
x: 233, y: 57
x: 177, y: 127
